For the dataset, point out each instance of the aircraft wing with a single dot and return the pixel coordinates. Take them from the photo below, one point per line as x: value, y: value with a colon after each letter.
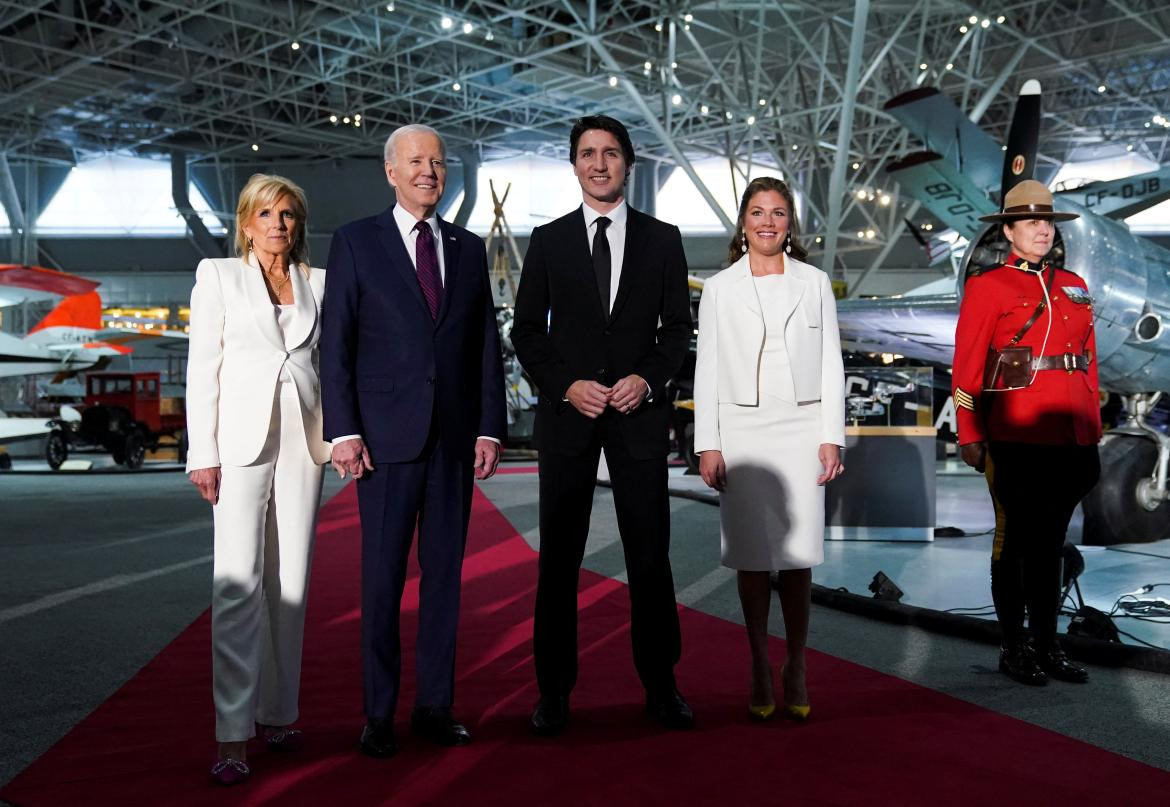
x: 933, y: 117
x: 921, y: 327
x: 1122, y: 198
x: 949, y: 195
x: 13, y: 430
x: 19, y: 283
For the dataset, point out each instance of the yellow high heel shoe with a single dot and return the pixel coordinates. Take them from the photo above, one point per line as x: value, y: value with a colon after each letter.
x: 761, y: 713
x: 793, y: 711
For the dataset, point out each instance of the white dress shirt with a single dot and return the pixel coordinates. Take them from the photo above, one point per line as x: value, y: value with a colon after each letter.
x: 616, y: 235
x: 406, y: 224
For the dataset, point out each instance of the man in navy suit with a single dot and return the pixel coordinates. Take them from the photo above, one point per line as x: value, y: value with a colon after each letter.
x: 413, y: 394
x: 603, y: 321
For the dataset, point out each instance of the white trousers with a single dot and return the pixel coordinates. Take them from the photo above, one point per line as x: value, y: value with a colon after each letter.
x: 264, y: 526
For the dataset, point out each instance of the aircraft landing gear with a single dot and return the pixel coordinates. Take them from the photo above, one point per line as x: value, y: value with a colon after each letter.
x: 1129, y: 504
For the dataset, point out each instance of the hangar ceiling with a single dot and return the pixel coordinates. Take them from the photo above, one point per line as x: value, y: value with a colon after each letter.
x: 791, y: 83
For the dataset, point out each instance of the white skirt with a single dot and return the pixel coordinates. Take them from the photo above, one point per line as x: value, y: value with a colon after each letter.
x: 772, y: 512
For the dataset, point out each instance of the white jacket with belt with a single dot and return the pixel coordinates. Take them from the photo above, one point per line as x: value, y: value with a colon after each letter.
x: 235, y: 360
x: 731, y: 339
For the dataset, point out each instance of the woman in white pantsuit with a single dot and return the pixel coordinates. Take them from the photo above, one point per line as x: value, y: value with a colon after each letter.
x: 256, y: 453
x: 770, y: 424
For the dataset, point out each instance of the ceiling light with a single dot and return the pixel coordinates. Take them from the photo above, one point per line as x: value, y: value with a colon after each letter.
x: 884, y: 200
x: 357, y: 117
x: 688, y: 17
x: 657, y: 26
x: 468, y: 28
x: 357, y: 124
x: 950, y: 65
x: 818, y: 239
x: 751, y: 120
x: 727, y: 115
x: 984, y: 23
x: 869, y: 196
x: 861, y: 195
x: 389, y: 6
x: 856, y: 166
x: 613, y: 81
x: 962, y: 29
x: 255, y: 147
x: 674, y: 65
x: 446, y: 23
x: 870, y: 233
x: 676, y: 99
x: 861, y: 234
x: 333, y: 119
x: 1000, y: 19
x: 922, y: 66
x: 1129, y: 147
x: 1100, y: 88
x: 972, y: 19
x: 489, y: 36
x: 457, y: 86
x: 763, y: 102
x: 345, y: 120
x: 686, y: 26
x: 794, y: 147
x: 647, y: 66
x: 704, y: 109
x: 295, y: 45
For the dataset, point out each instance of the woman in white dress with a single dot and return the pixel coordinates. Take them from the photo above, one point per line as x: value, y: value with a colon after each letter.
x: 256, y: 454
x: 770, y: 425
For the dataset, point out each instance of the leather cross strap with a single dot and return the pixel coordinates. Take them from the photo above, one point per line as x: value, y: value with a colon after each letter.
x: 1039, y: 310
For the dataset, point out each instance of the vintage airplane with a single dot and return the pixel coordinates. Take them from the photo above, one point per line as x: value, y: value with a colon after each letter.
x: 71, y: 337
x: 1129, y: 277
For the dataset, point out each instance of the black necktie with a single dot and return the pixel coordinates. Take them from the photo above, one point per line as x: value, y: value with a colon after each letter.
x: 602, y: 262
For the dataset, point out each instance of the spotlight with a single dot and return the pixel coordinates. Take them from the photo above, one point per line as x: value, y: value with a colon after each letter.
x: 922, y: 66
x: 457, y: 86
x: 676, y: 99
x: 688, y: 17
x: 647, y: 66
x: 869, y: 234
x: 357, y: 117
x: 704, y: 109
x: 972, y: 19
x: 962, y: 29
x: 489, y: 36
x: 468, y: 28
x: 950, y: 65
x: 728, y: 115
x: 1100, y: 88
x: 345, y: 120
x: 763, y: 102
x: 333, y: 119
x: 856, y: 166
x: 295, y: 45
x: 1000, y: 19
x: 984, y: 23
x: 255, y: 147
x: 658, y: 27
x: 884, y: 588
x: 446, y: 23
x: 613, y: 81
x: 751, y: 120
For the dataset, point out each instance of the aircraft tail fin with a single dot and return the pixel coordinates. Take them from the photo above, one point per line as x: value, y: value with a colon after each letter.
x: 75, y: 311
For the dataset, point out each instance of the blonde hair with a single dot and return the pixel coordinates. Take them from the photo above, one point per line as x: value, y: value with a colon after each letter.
x: 261, y: 190
x: 736, y: 249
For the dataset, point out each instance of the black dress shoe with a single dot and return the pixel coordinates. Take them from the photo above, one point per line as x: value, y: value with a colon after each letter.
x: 551, y: 715
x: 1053, y: 661
x: 436, y: 724
x: 1018, y: 662
x: 670, y: 710
x: 378, y: 739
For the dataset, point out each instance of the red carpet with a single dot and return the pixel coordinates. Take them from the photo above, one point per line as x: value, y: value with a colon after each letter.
x: 873, y: 739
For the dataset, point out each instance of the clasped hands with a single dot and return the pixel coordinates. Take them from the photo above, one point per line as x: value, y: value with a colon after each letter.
x: 714, y: 470
x: 591, y: 397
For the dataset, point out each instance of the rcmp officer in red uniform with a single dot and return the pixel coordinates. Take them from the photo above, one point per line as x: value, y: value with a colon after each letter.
x: 1025, y: 387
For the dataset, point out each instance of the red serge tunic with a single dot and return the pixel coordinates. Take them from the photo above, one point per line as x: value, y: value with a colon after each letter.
x: 1059, y: 407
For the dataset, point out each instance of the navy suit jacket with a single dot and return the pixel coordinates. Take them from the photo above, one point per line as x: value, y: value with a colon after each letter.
x: 387, y: 368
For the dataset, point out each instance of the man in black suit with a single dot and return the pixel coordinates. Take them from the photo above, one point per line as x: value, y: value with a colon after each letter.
x: 413, y: 391
x: 602, y: 323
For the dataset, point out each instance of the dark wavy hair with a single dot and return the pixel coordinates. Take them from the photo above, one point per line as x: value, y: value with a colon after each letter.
x: 737, y: 248
x: 606, y: 124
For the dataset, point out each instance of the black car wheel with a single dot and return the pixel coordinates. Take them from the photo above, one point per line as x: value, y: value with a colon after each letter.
x: 56, y: 450
x: 134, y: 450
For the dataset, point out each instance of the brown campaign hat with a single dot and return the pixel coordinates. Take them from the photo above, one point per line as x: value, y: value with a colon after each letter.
x: 1028, y: 200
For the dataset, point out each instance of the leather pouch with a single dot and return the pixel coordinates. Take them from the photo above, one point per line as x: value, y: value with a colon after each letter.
x: 1008, y: 368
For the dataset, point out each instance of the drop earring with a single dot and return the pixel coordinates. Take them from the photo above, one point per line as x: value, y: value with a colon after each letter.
x: 743, y: 242
x: 788, y: 244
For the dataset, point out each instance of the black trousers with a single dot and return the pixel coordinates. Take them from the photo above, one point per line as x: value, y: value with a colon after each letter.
x: 1035, y: 488
x: 643, y: 515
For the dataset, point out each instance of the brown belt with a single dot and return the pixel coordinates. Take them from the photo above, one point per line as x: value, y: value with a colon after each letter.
x: 1065, y: 361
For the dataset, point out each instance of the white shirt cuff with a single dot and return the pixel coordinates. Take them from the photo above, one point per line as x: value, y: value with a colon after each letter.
x: 495, y: 440
x: 339, y: 440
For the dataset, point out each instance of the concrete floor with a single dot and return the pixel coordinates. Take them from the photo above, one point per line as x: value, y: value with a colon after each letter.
x: 81, y: 554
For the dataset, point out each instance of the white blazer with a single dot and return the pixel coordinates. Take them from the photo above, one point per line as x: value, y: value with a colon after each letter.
x: 731, y: 339
x: 235, y: 359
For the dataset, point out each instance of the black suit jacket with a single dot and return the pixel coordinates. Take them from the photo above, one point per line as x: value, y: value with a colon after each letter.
x: 562, y: 334
x: 387, y: 368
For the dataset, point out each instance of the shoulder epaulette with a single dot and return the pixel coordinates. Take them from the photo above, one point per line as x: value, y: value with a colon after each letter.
x: 976, y: 271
